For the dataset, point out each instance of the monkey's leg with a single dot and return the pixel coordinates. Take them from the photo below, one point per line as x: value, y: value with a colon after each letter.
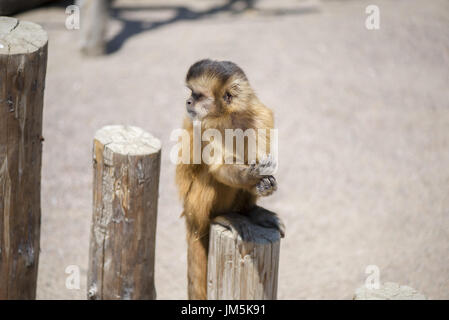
x: 231, y: 221
x: 257, y: 215
x: 267, y: 219
x: 197, y: 266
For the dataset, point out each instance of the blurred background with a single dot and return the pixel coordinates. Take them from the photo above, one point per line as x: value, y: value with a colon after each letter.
x: 363, y: 119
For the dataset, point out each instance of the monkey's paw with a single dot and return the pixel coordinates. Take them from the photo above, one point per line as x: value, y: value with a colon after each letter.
x: 267, y: 219
x: 238, y: 223
x: 266, y: 186
x: 234, y: 222
x: 266, y: 166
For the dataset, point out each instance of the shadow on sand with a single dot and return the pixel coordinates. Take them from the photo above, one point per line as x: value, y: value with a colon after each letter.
x: 183, y: 13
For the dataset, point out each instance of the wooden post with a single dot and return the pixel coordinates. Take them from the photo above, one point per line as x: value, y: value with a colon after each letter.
x: 243, y: 268
x: 126, y: 164
x: 388, y: 291
x: 23, y: 63
x: 94, y: 15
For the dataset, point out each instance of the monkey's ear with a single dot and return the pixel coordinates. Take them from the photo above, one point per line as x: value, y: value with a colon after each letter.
x: 234, y: 89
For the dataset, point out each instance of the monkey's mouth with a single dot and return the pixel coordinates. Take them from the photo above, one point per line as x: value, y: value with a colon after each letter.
x: 191, y: 113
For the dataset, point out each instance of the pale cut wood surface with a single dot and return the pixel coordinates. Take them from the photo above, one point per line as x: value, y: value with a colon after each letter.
x: 23, y: 63
x: 388, y: 291
x: 19, y: 37
x: 243, y: 269
x: 94, y: 15
x: 126, y: 163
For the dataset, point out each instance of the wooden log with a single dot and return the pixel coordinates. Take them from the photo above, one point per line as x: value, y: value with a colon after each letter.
x: 23, y: 63
x: 242, y: 267
x: 94, y: 15
x: 126, y: 163
x: 388, y: 291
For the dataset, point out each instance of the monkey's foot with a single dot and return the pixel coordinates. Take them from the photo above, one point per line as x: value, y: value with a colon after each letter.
x: 235, y: 222
x: 266, y: 186
x: 267, y: 219
x: 231, y: 221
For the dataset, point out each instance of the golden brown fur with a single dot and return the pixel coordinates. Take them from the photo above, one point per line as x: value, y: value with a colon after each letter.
x: 211, y: 190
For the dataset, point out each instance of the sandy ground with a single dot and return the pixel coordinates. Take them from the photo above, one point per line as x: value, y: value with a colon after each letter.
x: 363, y: 119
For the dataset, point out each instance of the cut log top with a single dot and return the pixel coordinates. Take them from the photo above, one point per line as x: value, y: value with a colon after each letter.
x: 19, y: 37
x: 388, y: 291
x: 128, y: 140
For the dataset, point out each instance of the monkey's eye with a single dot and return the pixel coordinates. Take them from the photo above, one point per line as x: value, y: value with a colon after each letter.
x: 227, y: 97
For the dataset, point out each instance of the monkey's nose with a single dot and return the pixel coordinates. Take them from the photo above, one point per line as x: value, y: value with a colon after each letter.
x: 189, y: 102
x: 190, y: 110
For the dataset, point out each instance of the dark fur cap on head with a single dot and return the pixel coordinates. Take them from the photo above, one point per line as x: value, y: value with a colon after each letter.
x: 225, y: 81
x: 221, y: 70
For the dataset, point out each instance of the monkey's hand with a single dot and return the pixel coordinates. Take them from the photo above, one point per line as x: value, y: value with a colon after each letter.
x: 266, y: 186
x: 265, y: 183
x: 254, y: 177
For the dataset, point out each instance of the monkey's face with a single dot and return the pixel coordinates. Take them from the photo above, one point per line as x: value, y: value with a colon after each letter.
x: 217, y: 87
x: 200, y: 104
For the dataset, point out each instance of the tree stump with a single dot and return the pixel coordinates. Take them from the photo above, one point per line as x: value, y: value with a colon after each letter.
x: 126, y: 164
x: 23, y: 63
x: 388, y: 291
x: 243, y: 268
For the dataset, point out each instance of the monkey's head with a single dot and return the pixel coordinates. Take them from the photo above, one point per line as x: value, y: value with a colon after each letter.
x: 218, y: 88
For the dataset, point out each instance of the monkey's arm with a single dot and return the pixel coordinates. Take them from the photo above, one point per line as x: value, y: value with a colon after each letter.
x: 247, y: 177
x: 234, y: 175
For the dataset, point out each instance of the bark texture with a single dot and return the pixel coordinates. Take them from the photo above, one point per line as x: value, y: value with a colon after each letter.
x: 243, y: 269
x: 23, y: 60
x: 126, y: 163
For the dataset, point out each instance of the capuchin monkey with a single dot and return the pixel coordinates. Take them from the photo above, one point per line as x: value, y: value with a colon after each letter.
x: 222, y: 98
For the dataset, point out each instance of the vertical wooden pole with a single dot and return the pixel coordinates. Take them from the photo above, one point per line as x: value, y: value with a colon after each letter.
x: 23, y: 62
x: 94, y: 15
x: 242, y: 267
x: 126, y: 164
